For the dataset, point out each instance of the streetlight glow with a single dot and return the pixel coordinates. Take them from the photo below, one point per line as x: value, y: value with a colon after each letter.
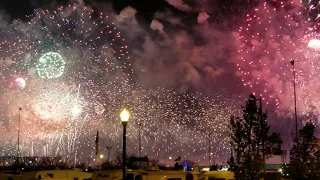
x: 124, y: 115
x: 101, y: 156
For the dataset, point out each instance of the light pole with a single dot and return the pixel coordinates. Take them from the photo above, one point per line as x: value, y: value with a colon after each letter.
x: 18, y: 149
x: 214, y: 158
x: 294, y: 95
x: 170, y: 158
x: 209, y: 150
x: 109, y: 148
x: 101, y: 158
x: 139, y: 134
x: 124, y: 117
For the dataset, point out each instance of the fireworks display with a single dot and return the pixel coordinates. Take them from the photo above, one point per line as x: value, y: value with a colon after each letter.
x: 273, y: 35
x: 50, y: 65
x: 70, y: 72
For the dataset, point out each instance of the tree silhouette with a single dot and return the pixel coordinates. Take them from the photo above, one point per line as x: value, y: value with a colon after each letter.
x: 305, y: 155
x: 248, y: 134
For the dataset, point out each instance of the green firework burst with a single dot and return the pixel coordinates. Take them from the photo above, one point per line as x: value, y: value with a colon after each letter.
x: 50, y: 65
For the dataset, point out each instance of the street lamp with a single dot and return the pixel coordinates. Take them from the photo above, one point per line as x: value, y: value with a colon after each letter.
x: 294, y: 96
x: 101, y: 158
x: 124, y: 117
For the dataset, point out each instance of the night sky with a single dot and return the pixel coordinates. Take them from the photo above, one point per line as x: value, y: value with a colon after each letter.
x: 182, y: 67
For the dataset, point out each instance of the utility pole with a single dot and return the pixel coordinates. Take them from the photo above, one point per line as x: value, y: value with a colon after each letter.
x: 209, y: 150
x: 140, y: 140
x: 294, y: 96
x: 139, y: 134
x: 18, y: 149
x: 47, y: 150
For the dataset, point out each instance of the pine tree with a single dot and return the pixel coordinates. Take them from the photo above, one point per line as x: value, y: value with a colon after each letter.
x: 246, y: 138
x: 250, y: 140
x: 305, y: 155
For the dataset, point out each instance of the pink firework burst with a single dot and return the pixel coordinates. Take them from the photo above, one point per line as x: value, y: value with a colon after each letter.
x: 271, y: 37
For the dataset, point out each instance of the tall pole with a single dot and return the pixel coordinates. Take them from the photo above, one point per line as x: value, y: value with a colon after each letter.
x: 294, y: 95
x: 109, y: 148
x: 18, y: 149
x: 46, y: 150
x: 231, y: 149
x: 100, y: 160
x: 124, y: 164
x: 140, y: 140
x: 139, y: 134
x: 209, y: 150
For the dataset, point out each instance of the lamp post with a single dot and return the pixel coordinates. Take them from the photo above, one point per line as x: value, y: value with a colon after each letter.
x: 101, y: 158
x: 294, y: 95
x: 18, y: 149
x: 214, y: 158
x: 124, y: 117
x: 139, y: 138
x: 209, y: 150
x: 170, y: 158
x: 109, y: 148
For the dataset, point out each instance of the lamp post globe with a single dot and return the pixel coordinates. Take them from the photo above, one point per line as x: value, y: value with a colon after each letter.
x: 124, y: 116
